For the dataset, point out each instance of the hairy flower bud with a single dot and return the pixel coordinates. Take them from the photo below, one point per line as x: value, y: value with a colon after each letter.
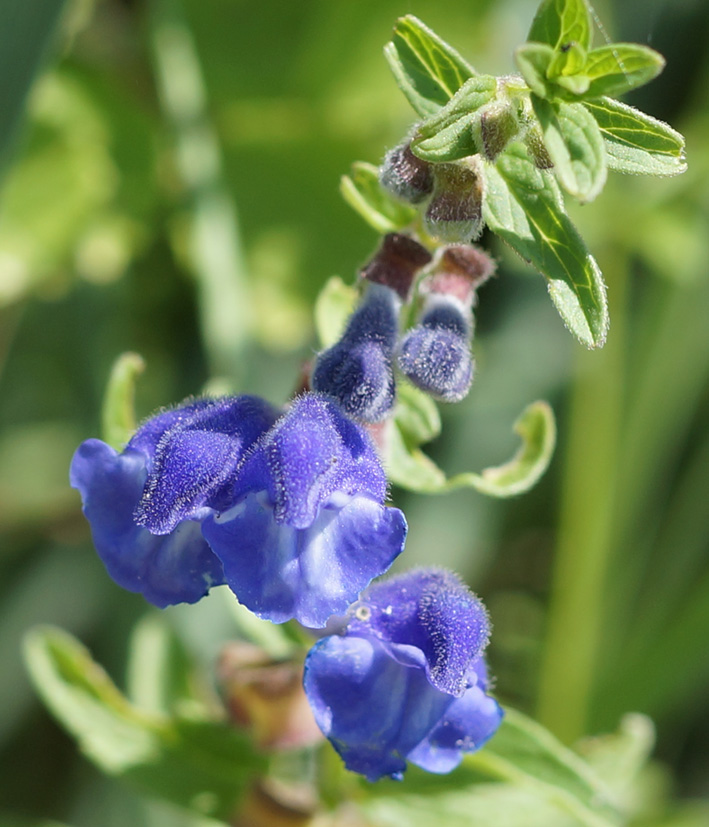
x: 357, y: 371
x: 435, y: 355
x: 498, y: 126
x: 406, y: 176
x: 266, y: 697
x: 535, y: 146
x: 455, y: 211
x: 396, y: 263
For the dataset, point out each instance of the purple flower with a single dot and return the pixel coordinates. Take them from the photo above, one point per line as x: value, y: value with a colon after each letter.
x: 146, y: 504
x: 406, y: 679
x: 435, y: 355
x: 307, y: 529
x: 357, y: 371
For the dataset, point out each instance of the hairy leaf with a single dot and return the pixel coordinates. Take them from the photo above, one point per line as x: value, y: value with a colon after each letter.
x: 635, y: 142
x: 449, y: 135
x: 533, y: 61
x: 619, y: 67
x: 525, y: 753
x: 575, y: 145
x: 569, y: 62
x: 561, y: 22
x: 416, y: 414
x: 363, y: 192
x: 410, y: 468
x: 523, y: 206
x: 428, y: 71
x: 193, y: 762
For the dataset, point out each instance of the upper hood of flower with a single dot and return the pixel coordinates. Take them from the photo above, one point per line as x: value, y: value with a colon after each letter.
x: 313, y: 451
x: 432, y: 610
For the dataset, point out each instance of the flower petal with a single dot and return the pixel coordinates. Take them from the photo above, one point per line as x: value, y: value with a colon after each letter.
x: 197, y: 458
x: 468, y: 723
x: 175, y: 568
x: 309, y: 454
x: 373, y: 709
x: 281, y: 572
x: 432, y: 609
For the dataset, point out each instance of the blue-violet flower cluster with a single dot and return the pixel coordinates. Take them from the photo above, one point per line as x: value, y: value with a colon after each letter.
x: 287, y: 511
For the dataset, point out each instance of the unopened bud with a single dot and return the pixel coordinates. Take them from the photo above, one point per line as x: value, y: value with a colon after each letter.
x: 459, y: 271
x: 435, y: 355
x: 357, y: 371
x: 498, y: 126
x: 406, y: 176
x: 455, y: 211
x: 535, y: 146
x: 396, y: 263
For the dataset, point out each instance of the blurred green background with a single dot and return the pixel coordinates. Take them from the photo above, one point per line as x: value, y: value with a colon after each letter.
x: 169, y: 185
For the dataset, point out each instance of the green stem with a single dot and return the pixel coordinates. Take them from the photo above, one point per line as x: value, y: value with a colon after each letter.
x: 583, y: 547
x: 213, y: 236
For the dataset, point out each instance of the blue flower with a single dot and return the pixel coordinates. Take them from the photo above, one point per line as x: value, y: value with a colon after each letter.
x: 406, y: 678
x: 146, y: 504
x: 307, y: 529
x: 357, y: 371
x: 435, y: 355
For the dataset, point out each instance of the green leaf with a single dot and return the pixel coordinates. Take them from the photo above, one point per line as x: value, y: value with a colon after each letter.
x: 567, y: 63
x: 27, y: 28
x: 449, y: 134
x: 482, y: 805
x: 200, y: 764
x: 619, y: 757
x: 637, y: 143
x: 571, y: 86
x: 333, y: 307
x: 560, y: 22
x: 362, y: 191
x: 620, y: 67
x: 533, y: 61
x: 537, y: 428
x: 160, y: 673
x: 408, y: 467
x: 428, y: 71
x: 523, y: 206
x: 575, y: 145
x: 118, y: 412
x: 526, y: 754
x: 416, y: 414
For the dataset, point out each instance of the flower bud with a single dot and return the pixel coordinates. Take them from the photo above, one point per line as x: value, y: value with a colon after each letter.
x: 396, y: 264
x: 455, y: 211
x: 435, y: 355
x: 406, y: 176
x: 357, y: 371
x: 459, y: 271
x: 535, y: 146
x: 498, y: 126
